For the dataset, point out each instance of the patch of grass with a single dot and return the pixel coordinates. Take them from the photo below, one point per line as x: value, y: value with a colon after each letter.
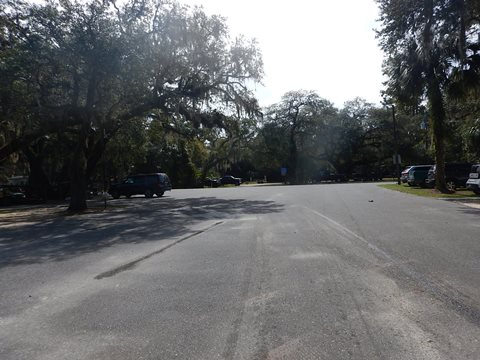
x: 432, y: 193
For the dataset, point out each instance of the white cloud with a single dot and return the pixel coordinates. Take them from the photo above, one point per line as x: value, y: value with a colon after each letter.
x: 324, y: 45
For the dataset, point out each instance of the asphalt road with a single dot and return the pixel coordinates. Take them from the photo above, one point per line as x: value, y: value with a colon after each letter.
x: 347, y: 271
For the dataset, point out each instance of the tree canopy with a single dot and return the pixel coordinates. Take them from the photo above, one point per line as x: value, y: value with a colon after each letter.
x: 432, y: 55
x: 85, y: 69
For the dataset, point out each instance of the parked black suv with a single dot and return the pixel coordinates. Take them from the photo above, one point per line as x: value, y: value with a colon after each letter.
x: 229, y: 179
x: 11, y: 195
x: 456, y: 175
x: 147, y: 184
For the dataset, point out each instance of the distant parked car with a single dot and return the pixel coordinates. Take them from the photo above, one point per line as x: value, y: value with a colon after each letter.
x: 404, y: 174
x: 367, y: 175
x: 147, y: 184
x: 228, y: 179
x: 211, y: 182
x: 340, y: 177
x: 331, y: 177
x: 456, y: 175
x: 18, y: 181
x: 11, y: 195
x: 418, y: 174
x: 473, y: 182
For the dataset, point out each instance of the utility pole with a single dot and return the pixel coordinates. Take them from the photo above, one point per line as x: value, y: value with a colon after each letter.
x: 104, y: 177
x: 395, y: 145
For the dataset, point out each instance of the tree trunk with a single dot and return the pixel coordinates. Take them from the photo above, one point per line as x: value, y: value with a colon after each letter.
x: 78, y: 185
x: 435, y: 98
x: 38, y: 180
x: 292, y: 161
x: 78, y: 176
x: 437, y: 111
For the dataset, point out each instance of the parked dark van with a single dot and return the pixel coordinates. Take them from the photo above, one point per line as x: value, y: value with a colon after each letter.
x: 146, y: 184
x: 456, y: 175
x: 417, y: 175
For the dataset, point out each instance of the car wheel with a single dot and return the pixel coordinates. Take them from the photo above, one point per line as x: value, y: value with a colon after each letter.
x: 148, y: 193
x: 160, y: 193
x: 128, y: 196
x: 451, y: 185
x: 115, y: 194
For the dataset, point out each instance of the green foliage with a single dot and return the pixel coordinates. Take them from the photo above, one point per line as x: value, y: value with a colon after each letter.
x: 432, y: 55
x: 323, y: 139
x: 465, y: 125
x: 124, y: 150
x: 270, y: 150
x: 300, y: 114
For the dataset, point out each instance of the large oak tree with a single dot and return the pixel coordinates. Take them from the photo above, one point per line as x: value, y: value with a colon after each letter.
x: 301, y: 114
x: 86, y: 68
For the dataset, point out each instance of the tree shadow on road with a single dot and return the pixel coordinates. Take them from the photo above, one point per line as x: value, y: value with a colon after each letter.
x: 470, y: 210
x: 38, y: 239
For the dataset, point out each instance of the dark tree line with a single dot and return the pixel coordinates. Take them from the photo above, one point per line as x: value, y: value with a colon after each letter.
x: 308, y: 135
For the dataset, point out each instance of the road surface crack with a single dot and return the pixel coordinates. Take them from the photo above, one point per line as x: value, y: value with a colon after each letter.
x: 130, y: 265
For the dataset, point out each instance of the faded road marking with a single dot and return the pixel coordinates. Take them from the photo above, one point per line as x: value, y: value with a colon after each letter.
x: 132, y: 264
x: 448, y: 295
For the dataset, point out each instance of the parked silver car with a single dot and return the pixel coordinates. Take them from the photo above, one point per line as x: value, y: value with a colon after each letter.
x: 473, y: 182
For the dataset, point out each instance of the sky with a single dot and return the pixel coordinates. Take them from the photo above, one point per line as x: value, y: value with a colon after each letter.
x: 328, y: 46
